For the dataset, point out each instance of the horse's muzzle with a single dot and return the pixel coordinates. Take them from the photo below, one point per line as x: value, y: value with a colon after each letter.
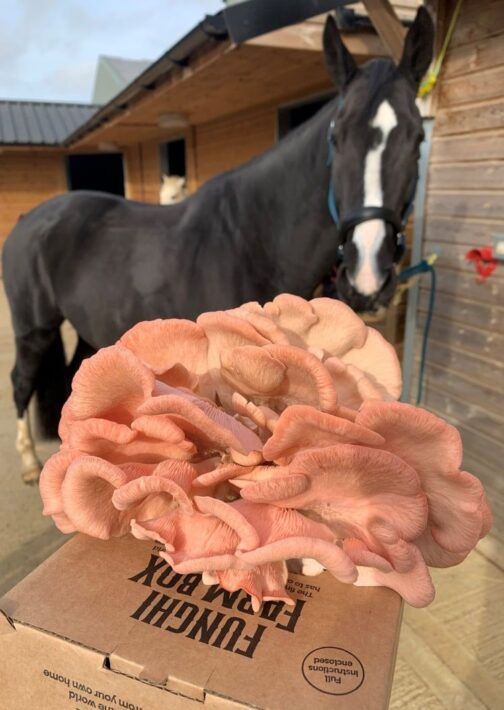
x: 364, y: 303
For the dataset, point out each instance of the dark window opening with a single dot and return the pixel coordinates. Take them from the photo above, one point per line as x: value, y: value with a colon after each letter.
x: 291, y: 117
x: 173, y: 157
x: 97, y: 171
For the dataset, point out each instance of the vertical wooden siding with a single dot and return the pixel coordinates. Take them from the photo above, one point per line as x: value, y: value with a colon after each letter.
x: 26, y: 179
x: 211, y: 148
x: 465, y: 209
x: 231, y: 141
x: 142, y: 171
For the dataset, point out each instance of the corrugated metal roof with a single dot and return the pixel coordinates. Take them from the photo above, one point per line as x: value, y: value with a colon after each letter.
x: 40, y: 123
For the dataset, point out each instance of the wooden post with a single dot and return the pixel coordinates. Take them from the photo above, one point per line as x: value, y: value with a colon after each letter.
x: 388, y: 26
x: 191, y: 160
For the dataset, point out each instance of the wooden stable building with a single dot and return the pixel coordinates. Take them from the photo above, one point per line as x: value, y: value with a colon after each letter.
x: 221, y: 97
x: 226, y: 104
x: 464, y: 210
x: 33, y: 163
x: 214, y: 101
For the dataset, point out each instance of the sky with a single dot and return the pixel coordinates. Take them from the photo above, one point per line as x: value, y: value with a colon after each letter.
x: 49, y: 48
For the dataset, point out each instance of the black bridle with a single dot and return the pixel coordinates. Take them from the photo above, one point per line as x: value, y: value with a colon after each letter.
x: 364, y: 214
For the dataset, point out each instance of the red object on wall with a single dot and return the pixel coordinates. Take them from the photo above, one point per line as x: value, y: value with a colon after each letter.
x: 484, y: 261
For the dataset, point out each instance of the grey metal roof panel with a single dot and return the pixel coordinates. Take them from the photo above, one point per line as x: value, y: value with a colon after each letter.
x: 52, y: 128
x: 40, y: 123
x: 34, y: 132
x: 7, y: 132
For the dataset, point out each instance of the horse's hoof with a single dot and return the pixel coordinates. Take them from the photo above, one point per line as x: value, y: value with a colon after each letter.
x: 32, y: 476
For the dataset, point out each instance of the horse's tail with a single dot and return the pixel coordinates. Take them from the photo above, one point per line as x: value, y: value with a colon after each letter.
x: 51, y: 388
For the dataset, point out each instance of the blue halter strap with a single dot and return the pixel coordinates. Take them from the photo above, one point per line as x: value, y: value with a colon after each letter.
x: 331, y: 200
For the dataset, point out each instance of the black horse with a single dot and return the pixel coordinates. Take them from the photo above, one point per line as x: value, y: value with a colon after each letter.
x: 105, y: 263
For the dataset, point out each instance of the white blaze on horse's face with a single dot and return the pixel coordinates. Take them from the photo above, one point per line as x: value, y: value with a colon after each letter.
x: 368, y: 236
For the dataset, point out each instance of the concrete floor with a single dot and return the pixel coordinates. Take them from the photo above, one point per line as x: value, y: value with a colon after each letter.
x: 451, y: 655
x: 26, y: 538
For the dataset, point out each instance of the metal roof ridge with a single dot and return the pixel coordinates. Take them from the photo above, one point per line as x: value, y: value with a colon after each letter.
x: 44, y: 102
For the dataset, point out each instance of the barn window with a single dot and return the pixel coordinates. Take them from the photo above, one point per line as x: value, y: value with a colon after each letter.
x: 290, y: 117
x: 173, y: 157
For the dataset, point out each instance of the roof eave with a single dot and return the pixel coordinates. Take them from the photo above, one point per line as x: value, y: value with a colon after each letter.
x: 229, y: 24
x: 212, y: 30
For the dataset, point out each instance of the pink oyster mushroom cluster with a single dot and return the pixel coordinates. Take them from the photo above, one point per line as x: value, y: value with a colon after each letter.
x: 260, y: 435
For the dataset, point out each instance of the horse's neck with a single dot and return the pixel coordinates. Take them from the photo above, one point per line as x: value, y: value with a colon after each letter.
x: 291, y: 181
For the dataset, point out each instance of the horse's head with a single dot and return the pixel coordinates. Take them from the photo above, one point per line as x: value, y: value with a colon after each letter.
x: 375, y: 139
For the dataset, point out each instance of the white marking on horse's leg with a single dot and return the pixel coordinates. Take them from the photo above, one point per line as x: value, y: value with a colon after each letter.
x: 30, y: 463
x: 368, y: 236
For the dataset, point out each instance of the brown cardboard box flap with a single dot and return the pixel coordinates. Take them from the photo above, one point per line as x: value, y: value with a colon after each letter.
x: 334, y: 648
x: 6, y: 625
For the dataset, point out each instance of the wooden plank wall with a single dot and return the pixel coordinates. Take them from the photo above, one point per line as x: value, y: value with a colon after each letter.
x: 26, y: 179
x: 142, y: 171
x: 211, y: 148
x: 404, y: 9
x: 465, y: 209
x: 231, y: 141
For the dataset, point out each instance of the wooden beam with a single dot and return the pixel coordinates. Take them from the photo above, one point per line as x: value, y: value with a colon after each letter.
x: 388, y: 26
x: 308, y: 36
x: 29, y: 148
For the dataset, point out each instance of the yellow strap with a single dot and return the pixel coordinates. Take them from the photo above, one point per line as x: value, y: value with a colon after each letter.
x: 430, y: 80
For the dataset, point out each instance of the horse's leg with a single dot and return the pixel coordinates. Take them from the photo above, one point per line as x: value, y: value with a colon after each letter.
x: 30, y: 463
x: 81, y: 352
x: 30, y: 351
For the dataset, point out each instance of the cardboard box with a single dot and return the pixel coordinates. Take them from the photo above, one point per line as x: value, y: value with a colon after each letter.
x: 109, y: 625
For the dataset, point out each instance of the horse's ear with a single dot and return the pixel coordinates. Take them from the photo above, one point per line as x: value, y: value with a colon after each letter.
x: 340, y: 63
x: 418, y: 48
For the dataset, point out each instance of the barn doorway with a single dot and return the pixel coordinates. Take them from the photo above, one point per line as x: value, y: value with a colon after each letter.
x: 96, y: 171
x: 172, y: 156
x: 292, y: 116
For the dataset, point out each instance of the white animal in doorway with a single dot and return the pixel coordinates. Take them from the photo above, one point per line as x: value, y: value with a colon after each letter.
x: 173, y: 189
